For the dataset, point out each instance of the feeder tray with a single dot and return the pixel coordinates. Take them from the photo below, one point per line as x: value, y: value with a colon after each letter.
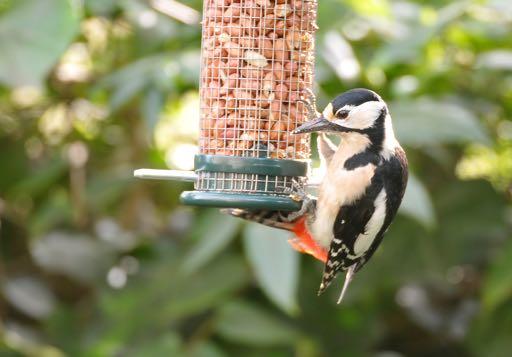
x: 257, y: 59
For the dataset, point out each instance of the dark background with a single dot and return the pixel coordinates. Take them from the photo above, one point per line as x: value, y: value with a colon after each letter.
x: 96, y: 263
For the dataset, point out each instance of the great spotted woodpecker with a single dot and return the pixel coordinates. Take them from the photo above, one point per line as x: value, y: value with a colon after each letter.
x: 361, y: 191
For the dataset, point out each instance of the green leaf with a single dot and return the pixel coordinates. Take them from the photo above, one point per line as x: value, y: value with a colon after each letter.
x: 205, y: 349
x: 168, y: 344
x: 407, y: 49
x: 498, y: 280
x: 133, y: 79
x: 248, y: 324
x: 166, y: 296
x: 404, y: 51
x: 101, y: 7
x: 426, y: 122
x: 81, y: 257
x: 204, y: 289
x: 152, y: 104
x: 54, y: 211
x: 215, y: 232
x: 161, y: 72
x: 106, y: 188
x: 40, y: 181
x: 417, y: 203
x: 33, y: 34
x: 275, y: 264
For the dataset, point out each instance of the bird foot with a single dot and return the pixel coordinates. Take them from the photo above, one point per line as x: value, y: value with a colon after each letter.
x: 309, y: 100
x: 308, y: 206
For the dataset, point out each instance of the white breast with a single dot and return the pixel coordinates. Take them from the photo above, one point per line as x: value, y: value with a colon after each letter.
x: 340, y: 186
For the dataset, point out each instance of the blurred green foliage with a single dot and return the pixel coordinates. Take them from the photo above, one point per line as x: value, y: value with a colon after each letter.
x: 95, y: 263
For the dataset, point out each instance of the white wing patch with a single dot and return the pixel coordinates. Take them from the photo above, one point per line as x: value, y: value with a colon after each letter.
x: 365, y: 240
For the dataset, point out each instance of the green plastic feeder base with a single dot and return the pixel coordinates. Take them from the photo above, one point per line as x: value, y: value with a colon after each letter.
x: 239, y: 200
x: 245, y: 182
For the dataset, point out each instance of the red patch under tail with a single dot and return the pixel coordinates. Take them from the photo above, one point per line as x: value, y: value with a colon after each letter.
x: 304, y: 243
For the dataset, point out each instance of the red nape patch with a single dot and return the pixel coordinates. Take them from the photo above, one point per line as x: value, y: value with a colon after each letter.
x: 304, y: 243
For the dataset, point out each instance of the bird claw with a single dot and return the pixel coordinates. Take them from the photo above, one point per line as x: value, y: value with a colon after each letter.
x: 310, y: 102
x: 308, y: 206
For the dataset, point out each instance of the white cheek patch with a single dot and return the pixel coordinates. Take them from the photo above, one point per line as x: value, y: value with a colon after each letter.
x: 364, y: 115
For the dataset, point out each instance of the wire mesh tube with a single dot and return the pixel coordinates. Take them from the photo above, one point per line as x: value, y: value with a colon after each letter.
x: 256, y: 65
x: 257, y: 60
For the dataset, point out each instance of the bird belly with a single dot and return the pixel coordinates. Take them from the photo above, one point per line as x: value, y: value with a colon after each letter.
x: 341, y: 187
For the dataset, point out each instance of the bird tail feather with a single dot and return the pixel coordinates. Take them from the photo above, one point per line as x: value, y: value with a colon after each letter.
x: 348, y: 278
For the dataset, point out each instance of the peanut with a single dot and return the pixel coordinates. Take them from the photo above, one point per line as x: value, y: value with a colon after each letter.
x: 255, y: 58
x: 256, y: 65
x: 280, y: 52
x: 282, y: 10
x: 281, y: 92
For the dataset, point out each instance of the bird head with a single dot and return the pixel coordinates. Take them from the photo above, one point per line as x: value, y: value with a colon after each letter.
x: 357, y: 110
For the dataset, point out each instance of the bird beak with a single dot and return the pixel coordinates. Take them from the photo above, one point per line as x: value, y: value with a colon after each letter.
x: 319, y: 124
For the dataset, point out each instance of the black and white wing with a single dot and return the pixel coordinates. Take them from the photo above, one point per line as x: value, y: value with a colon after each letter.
x: 352, y: 232
x: 395, y: 175
x: 360, y: 226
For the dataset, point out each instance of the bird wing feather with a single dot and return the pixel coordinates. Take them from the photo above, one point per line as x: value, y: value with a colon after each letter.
x: 351, y: 221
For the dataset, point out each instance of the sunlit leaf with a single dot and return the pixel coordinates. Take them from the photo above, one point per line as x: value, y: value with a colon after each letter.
x: 248, y: 324
x: 215, y: 231
x: 33, y: 34
x: 493, y: 164
x: 499, y: 60
x: 427, y: 122
x: 340, y: 56
x: 417, y: 203
x: 379, y: 8
x: 275, y: 264
x: 29, y: 295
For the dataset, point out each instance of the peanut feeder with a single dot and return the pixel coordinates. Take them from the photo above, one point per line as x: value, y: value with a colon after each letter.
x: 257, y: 60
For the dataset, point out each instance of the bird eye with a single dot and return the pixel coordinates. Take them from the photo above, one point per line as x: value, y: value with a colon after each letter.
x: 342, y: 113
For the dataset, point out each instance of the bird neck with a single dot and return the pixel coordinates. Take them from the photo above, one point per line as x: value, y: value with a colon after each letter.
x: 389, y: 143
x: 352, y: 143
